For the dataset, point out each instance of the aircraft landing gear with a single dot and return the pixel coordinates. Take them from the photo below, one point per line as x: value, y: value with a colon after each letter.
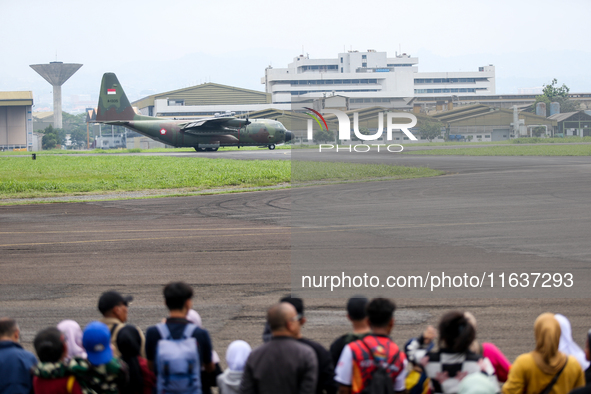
x: 272, y: 146
x: 211, y: 149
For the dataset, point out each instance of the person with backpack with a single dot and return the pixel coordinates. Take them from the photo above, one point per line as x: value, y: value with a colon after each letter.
x: 546, y: 370
x: 357, y: 315
x: 176, y: 349
x: 114, y: 307
x: 373, y: 364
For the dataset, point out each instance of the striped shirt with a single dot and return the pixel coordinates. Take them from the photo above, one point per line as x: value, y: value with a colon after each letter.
x: 447, y: 369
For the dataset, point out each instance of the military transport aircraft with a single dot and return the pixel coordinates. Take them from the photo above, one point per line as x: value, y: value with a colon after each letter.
x: 202, y: 134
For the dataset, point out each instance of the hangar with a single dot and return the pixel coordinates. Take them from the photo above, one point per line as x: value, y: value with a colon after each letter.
x: 480, y: 122
x: 206, y: 99
x: 16, y: 120
x: 576, y: 123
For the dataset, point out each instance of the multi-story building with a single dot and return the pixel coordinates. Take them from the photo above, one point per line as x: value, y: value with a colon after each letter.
x: 371, y: 79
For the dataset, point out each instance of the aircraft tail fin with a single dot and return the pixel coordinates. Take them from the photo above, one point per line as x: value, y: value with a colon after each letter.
x: 113, y: 103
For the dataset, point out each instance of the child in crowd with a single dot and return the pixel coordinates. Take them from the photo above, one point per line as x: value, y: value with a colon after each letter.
x: 236, y: 356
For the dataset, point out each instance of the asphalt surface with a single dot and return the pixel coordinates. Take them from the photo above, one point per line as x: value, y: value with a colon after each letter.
x: 510, y: 213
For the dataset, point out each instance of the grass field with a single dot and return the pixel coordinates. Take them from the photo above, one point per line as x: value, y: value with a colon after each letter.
x: 21, y: 177
x: 526, y: 140
x: 511, y: 150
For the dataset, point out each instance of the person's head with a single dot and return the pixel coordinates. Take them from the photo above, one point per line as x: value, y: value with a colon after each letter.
x: 129, y: 342
x: 178, y: 296
x: 565, y: 328
x: 73, y: 336
x: 547, y: 332
x: 113, y: 304
x: 237, y: 354
x: 283, y: 320
x: 455, y: 332
x: 471, y: 319
x: 194, y: 318
x: 357, y: 309
x: 9, y: 330
x: 380, y: 313
x: 298, y: 304
x: 96, y: 340
x: 50, y: 345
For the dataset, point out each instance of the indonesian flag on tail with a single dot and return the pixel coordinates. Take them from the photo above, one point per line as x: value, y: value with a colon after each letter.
x: 111, y: 91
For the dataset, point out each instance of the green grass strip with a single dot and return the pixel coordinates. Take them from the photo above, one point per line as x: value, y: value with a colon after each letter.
x: 49, y: 175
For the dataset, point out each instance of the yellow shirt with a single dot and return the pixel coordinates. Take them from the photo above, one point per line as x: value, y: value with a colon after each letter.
x: 526, y: 377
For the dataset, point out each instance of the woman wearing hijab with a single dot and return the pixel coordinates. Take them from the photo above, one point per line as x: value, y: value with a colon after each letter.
x: 490, y: 351
x: 546, y: 369
x: 208, y: 379
x: 567, y: 345
x: 73, y: 335
x: 236, y: 356
x: 141, y: 378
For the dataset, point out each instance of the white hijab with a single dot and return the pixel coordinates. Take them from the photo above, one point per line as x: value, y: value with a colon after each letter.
x: 73, y: 335
x: 237, y: 354
x: 194, y: 318
x: 567, y: 345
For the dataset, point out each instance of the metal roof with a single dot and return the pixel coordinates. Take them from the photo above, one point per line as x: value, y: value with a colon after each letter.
x: 563, y: 116
x: 43, y: 115
x: 209, y: 94
x: 463, y: 112
x: 16, y: 98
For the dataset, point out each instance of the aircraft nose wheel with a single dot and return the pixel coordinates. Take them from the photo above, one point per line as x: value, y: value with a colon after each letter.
x: 272, y: 146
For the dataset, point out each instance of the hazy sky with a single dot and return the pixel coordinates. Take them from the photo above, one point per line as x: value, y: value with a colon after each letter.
x: 156, y: 45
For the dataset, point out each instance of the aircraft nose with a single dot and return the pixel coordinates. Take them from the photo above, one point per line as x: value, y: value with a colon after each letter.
x: 288, y: 136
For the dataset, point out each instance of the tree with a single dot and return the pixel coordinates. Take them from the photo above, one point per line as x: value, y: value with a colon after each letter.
x: 552, y: 93
x: 52, y: 137
x: 323, y: 136
x: 430, y: 130
x: 538, y: 131
x: 75, y: 125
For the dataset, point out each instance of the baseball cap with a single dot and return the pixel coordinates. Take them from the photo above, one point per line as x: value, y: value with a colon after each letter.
x: 96, y: 340
x: 111, y: 299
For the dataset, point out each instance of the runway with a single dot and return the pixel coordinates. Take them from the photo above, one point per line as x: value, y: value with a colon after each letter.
x: 235, y: 249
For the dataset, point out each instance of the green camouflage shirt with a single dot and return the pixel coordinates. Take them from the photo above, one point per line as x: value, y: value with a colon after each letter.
x: 102, y: 379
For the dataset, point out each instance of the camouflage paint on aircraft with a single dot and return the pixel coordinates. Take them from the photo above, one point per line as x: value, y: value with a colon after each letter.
x: 202, y: 134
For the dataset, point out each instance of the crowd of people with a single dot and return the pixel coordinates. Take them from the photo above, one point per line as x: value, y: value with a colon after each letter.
x: 177, y: 356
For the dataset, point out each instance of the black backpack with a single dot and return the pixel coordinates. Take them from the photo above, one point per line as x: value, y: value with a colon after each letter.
x: 380, y: 382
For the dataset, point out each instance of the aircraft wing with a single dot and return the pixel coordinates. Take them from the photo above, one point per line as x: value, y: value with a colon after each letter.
x: 214, y: 126
x: 116, y: 122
